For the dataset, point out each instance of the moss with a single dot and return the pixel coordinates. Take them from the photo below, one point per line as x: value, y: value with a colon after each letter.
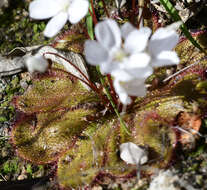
x: 17, y: 29
x: 29, y: 169
x: 10, y: 166
x: 6, y: 109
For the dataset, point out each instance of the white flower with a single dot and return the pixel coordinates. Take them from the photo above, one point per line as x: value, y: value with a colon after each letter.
x: 60, y: 11
x: 127, y: 62
x: 130, y: 55
x: 161, y: 44
x: 134, y: 87
x: 133, y: 154
x: 108, y: 51
x: 129, y: 81
x: 36, y: 63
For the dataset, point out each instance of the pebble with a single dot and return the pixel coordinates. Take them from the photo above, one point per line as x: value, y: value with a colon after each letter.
x: 168, y: 180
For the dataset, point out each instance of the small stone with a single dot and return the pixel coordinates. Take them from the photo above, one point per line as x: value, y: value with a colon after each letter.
x: 22, y: 176
x: 164, y: 181
x: 167, y: 180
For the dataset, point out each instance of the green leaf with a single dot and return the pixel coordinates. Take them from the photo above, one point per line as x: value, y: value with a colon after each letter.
x: 52, y: 90
x: 29, y: 169
x: 52, y: 134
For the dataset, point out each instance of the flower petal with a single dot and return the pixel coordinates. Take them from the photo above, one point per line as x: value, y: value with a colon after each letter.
x: 121, y: 74
x: 165, y: 58
x: 135, y: 87
x: 141, y: 73
x: 138, y: 60
x: 125, y: 99
x: 123, y: 96
x: 55, y: 24
x: 134, y: 67
x: 108, y: 67
x: 174, y: 26
x: 108, y: 34
x: 127, y: 75
x: 126, y: 29
x: 95, y: 54
x: 133, y: 154
x: 163, y: 39
x: 43, y: 9
x: 77, y: 10
x: 137, y: 40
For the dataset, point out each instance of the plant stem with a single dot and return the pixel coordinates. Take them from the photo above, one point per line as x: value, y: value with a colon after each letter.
x: 112, y: 88
x: 133, y: 6
x: 94, y: 14
x: 132, y: 19
x: 124, y: 127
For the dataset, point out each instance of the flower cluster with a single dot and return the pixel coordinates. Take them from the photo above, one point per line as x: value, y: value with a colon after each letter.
x: 127, y: 54
x: 130, y: 55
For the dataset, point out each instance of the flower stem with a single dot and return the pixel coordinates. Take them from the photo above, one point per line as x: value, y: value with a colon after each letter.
x: 113, y: 92
x: 123, y: 125
x: 140, y: 21
x: 94, y: 14
x: 133, y: 7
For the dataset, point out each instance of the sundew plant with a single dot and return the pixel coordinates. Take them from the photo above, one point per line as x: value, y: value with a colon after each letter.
x: 137, y: 92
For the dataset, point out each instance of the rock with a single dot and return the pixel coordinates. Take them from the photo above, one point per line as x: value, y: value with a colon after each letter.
x: 167, y: 180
